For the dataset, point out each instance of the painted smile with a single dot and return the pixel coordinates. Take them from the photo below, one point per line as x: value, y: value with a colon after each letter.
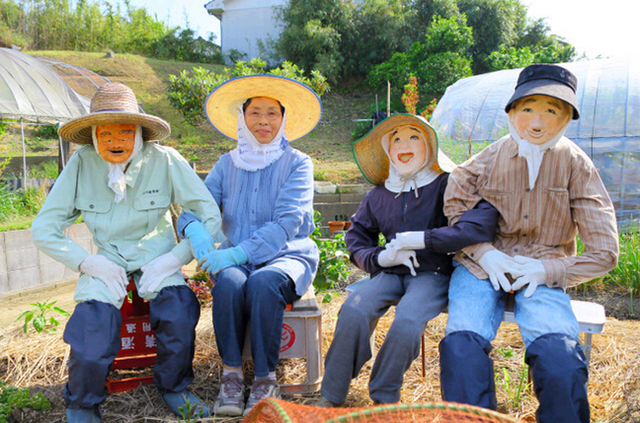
x: 405, y: 157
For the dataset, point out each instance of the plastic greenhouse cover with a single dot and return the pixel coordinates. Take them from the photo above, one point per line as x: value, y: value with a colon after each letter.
x: 30, y: 90
x: 471, y: 112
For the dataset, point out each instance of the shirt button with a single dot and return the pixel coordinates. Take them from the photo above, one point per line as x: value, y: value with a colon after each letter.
x: 528, y: 189
x: 524, y: 235
x: 91, y: 206
x: 516, y: 250
x: 153, y: 203
x: 471, y: 254
x: 526, y: 216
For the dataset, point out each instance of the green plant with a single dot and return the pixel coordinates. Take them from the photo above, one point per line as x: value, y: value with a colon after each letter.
x: 627, y: 274
x: 44, y: 170
x: 189, y: 413
x: 334, y: 260
x: 201, y: 286
x: 410, y: 96
x: 517, y: 387
x: 12, y: 397
x: 38, y: 316
x: 319, y: 175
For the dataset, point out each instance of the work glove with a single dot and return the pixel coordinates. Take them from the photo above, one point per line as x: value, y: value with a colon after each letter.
x: 390, y: 258
x: 532, y: 274
x: 108, y: 272
x: 496, y: 264
x: 157, y: 270
x: 201, y: 242
x: 413, y: 240
x: 217, y: 260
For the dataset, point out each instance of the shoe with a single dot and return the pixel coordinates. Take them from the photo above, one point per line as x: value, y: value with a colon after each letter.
x: 326, y: 403
x: 264, y: 387
x: 230, y: 401
x: 178, y: 400
x: 82, y: 415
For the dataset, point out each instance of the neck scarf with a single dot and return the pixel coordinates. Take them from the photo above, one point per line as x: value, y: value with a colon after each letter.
x: 404, y: 183
x: 117, y: 179
x: 250, y: 155
x: 534, y: 153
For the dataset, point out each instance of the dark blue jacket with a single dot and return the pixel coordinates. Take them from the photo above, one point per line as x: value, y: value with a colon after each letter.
x: 382, y: 213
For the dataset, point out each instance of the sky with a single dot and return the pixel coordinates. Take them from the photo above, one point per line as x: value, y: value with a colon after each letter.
x: 595, y: 27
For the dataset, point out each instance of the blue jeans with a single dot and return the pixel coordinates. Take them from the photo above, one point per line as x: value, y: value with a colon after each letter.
x: 475, y: 306
x: 417, y: 299
x: 258, y: 298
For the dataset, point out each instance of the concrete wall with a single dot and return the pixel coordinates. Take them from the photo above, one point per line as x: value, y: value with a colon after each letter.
x: 22, y: 265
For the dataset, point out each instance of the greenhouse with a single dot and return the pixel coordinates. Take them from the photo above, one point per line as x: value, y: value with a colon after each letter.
x: 471, y: 114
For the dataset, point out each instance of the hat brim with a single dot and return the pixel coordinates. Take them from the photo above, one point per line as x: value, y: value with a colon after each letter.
x: 79, y: 130
x: 302, y: 104
x: 547, y: 87
x: 373, y: 161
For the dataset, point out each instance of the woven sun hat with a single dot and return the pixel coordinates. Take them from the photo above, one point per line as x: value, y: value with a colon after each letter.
x: 373, y: 161
x: 114, y: 103
x: 302, y: 105
x: 551, y: 80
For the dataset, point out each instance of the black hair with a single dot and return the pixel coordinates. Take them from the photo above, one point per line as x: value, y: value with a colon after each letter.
x: 246, y: 104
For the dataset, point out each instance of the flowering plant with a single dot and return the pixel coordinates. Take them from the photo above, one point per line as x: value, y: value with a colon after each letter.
x: 410, y: 97
x: 201, y: 286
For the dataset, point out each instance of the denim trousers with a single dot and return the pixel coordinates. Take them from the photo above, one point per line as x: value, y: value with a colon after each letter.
x: 417, y: 300
x: 257, y: 299
x: 475, y: 306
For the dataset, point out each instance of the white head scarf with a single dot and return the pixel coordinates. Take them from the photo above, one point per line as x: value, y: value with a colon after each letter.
x: 404, y: 183
x: 534, y: 153
x: 250, y: 155
x: 117, y: 178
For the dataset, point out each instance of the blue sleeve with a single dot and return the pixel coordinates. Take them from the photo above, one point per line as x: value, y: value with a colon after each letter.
x: 474, y: 226
x: 362, y: 239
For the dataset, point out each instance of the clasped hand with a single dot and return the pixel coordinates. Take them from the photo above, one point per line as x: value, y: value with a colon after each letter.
x: 216, y: 260
x: 390, y: 258
x: 525, y: 271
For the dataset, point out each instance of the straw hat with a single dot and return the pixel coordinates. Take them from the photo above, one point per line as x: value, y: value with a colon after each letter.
x: 114, y: 103
x: 303, y: 106
x: 374, y: 162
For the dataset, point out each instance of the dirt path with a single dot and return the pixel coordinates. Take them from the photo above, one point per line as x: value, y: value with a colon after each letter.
x: 13, y: 304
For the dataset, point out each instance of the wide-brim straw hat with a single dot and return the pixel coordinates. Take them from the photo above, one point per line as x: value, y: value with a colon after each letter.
x: 302, y: 104
x: 373, y: 161
x: 114, y: 103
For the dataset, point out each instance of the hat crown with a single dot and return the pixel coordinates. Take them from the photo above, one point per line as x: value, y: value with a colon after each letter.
x: 114, y: 97
x: 546, y: 71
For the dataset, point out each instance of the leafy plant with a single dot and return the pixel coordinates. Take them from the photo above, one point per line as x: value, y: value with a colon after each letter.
x: 12, y: 397
x: 38, y: 316
x: 334, y: 260
x: 189, y: 414
x: 516, y: 387
x: 627, y: 274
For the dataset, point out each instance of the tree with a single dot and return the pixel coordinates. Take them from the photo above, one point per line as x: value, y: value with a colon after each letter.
x: 437, y: 63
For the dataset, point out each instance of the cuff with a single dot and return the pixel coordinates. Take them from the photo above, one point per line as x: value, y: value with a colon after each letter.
x: 555, y: 273
x: 476, y: 251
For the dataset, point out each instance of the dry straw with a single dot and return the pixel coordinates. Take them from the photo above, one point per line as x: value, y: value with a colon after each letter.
x: 39, y: 361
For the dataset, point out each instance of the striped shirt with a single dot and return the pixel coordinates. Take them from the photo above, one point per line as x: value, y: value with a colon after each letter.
x: 542, y: 223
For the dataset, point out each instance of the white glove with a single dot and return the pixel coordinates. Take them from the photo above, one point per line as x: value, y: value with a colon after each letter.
x: 390, y: 258
x: 496, y: 264
x: 406, y: 241
x: 532, y: 274
x: 108, y: 272
x: 157, y: 270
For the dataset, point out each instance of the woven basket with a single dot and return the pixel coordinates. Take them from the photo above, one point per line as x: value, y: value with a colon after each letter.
x: 271, y: 410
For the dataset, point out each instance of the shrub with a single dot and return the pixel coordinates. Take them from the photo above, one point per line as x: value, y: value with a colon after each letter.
x: 11, y: 397
x: 334, y: 260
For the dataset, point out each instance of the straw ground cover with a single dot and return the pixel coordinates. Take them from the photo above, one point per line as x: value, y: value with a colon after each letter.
x: 39, y: 362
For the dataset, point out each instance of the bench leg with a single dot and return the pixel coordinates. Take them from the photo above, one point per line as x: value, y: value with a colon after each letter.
x: 586, y: 348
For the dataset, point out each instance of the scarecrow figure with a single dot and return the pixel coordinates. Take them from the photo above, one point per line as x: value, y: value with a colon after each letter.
x: 547, y: 191
x: 264, y: 188
x: 122, y: 185
x: 400, y: 155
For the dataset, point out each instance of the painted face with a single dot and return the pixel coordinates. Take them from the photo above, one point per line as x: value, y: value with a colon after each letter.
x: 263, y: 118
x: 407, y: 150
x: 539, y: 118
x: 116, y: 141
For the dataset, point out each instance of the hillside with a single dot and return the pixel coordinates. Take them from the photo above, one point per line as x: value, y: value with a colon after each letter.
x: 328, y: 144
